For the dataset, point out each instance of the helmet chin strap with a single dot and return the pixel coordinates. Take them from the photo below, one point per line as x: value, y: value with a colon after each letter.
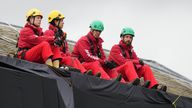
x: 33, y: 23
x: 58, y: 24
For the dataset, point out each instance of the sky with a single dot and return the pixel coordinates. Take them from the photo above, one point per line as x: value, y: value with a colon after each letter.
x: 162, y: 27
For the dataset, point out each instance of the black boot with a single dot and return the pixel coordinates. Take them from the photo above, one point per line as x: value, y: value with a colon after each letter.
x: 98, y: 74
x: 136, y: 82
x: 157, y: 87
x: 163, y: 88
x: 146, y: 84
x: 89, y: 72
x: 119, y: 77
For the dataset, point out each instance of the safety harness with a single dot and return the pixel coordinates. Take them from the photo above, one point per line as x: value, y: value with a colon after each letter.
x: 98, y: 52
x: 123, y: 52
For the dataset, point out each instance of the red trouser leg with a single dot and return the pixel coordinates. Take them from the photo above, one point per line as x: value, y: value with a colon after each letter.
x: 73, y: 62
x: 56, y: 52
x: 39, y: 53
x: 128, y: 71
x: 146, y: 72
x: 113, y: 74
x: 96, y: 67
x: 79, y: 65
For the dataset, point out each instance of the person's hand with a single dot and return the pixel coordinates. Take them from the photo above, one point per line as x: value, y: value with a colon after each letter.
x: 109, y: 64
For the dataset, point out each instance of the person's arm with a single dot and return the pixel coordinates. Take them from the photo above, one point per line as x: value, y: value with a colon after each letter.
x: 116, y: 55
x: 29, y: 37
x: 85, y: 51
x: 135, y: 57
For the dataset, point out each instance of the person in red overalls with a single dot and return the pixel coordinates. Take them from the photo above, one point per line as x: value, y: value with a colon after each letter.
x: 33, y: 45
x: 56, y: 21
x: 88, y: 49
x: 129, y: 65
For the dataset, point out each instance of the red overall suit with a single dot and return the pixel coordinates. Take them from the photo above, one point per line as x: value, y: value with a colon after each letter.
x: 128, y: 64
x: 64, y: 51
x: 89, y: 50
x: 36, y: 47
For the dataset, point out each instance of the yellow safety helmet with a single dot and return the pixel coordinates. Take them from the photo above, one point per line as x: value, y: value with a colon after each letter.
x: 55, y: 14
x: 33, y: 12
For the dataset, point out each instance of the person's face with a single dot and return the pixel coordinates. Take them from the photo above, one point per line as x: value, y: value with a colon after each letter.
x: 60, y: 23
x: 36, y: 21
x: 127, y: 39
x: 96, y: 33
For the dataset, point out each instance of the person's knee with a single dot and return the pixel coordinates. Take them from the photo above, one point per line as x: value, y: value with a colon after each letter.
x: 44, y: 43
x: 95, y: 63
x: 129, y: 63
x: 145, y: 66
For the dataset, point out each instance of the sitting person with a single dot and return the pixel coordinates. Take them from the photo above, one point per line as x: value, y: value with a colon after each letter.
x: 56, y: 23
x: 88, y: 49
x: 33, y: 45
x: 128, y: 64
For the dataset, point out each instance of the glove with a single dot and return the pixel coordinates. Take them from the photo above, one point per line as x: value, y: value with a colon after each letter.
x: 109, y: 64
x: 58, y: 42
x: 141, y: 62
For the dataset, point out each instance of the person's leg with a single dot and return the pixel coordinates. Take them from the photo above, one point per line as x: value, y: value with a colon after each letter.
x: 73, y: 62
x: 79, y: 65
x: 96, y: 67
x: 39, y: 53
x: 114, y: 74
x: 146, y: 72
x: 128, y: 70
x: 56, y: 56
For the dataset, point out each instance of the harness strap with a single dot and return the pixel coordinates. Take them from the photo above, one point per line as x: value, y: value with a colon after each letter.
x: 98, y: 53
x: 123, y: 52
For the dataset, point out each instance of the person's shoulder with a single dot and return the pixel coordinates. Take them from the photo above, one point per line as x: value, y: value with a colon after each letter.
x: 115, y: 46
x: 26, y: 30
x: 82, y: 38
x: 49, y: 32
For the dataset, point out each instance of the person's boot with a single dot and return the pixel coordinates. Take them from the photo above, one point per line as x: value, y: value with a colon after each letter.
x: 163, y: 88
x: 49, y: 62
x: 56, y: 63
x: 98, y: 74
x: 136, y: 82
x: 155, y: 86
x: 146, y: 84
x: 89, y: 72
x: 119, y: 77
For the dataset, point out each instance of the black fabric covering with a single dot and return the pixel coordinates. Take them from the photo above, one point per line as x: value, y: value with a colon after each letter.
x: 25, y: 84
x: 44, y: 72
x: 24, y: 90
x: 92, y: 92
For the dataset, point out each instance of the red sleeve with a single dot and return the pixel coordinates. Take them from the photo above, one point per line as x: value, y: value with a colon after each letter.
x: 135, y: 58
x: 28, y: 36
x: 49, y: 33
x: 116, y: 56
x: 84, y: 49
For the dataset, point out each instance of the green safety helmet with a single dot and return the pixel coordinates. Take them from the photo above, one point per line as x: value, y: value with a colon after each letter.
x: 97, y: 25
x: 127, y: 31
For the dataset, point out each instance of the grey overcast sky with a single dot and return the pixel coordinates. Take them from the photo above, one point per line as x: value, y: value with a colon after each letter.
x: 162, y: 27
